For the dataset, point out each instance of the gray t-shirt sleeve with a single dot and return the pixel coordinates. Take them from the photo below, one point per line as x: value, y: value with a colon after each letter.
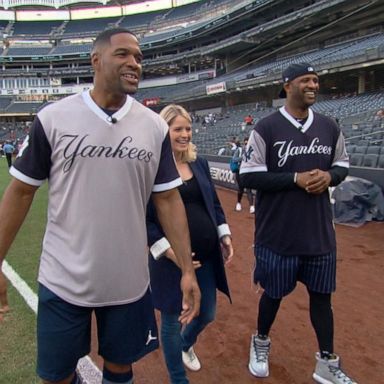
x: 341, y: 158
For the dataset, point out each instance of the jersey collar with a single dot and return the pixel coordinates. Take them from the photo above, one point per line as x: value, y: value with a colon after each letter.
x: 302, y: 128
x: 118, y: 115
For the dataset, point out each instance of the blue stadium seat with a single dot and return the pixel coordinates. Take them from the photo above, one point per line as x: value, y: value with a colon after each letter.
x: 370, y: 160
x: 380, y: 163
x: 356, y: 159
x: 361, y: 149
x: 373, y: 149
x: 350, y: 148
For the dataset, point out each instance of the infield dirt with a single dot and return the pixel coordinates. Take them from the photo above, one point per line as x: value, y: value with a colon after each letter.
x: 223, y: 348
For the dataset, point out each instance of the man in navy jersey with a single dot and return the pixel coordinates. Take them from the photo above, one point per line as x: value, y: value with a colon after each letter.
x: 103, y: 154
x: 292, y: 157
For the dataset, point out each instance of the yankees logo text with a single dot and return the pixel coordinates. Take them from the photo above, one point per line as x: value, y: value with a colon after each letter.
x: 287, y: 149
x: 79, y: 147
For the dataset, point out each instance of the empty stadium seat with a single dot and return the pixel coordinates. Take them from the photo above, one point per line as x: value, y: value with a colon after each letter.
x: 373, y: 149
x: 356, y: 159
x: 370, y: 160
x: 380, y: 163
x: 361, y: 149
x: 350, y: 148
x: 363, y: 143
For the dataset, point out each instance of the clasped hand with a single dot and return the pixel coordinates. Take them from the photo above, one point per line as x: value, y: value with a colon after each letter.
x: 315, y: 181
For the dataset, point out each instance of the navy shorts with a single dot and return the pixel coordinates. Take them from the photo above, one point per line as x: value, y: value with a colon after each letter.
x: 125, y: 333
x: 278, y: 274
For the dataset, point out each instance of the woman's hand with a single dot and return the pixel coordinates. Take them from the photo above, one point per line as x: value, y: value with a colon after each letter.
x: 171, y: 256
x: 226, y: 248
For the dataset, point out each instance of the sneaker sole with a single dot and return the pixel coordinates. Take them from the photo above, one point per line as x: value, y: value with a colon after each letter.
x: 192, y: 369
x: 256, y: 374
x: 320, y: 379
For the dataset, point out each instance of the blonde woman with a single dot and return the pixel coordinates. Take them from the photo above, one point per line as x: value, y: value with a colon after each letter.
x: 211, y: 246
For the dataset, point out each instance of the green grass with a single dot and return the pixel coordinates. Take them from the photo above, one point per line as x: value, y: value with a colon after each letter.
x: 18, y: 330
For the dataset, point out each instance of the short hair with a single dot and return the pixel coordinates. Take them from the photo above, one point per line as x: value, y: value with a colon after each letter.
x: 169, y: 113
x: 105, y: 36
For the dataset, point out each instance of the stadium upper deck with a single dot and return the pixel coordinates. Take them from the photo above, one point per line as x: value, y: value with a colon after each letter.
x: 248, y: 33
x: 227, y: 53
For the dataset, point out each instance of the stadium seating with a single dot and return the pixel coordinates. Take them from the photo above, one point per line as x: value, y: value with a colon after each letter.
x: 31, y: 28
x: 90, y: 26
x: 364, y: 135
x: 370, y: 160
x: 373, y: 150
x: 5, y: 102
x: 28, y: 51
x: 184, y: 12
x: 134, y: 22
x: 380, y: 163
x: 361, y: 149
x: 356, y: 159
x: 350, y: 148
x: 72, y: 49
x: 26, y: 107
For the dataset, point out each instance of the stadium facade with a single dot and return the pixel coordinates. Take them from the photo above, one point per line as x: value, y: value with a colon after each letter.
x: 212, y: 56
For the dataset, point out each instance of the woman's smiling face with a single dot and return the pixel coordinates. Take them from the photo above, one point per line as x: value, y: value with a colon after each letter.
x: 180, y: 131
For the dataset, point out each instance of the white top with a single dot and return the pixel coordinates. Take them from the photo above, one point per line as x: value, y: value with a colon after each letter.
x: 101, y: 172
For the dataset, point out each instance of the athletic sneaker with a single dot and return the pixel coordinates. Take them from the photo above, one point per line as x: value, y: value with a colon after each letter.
x: 328, y: 371
x: 258, y: 356
x: 252, y: 209
x: 238, y: 207
x: 190, y: 360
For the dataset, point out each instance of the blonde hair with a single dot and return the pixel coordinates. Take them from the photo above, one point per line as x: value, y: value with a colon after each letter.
x: 169, y: 113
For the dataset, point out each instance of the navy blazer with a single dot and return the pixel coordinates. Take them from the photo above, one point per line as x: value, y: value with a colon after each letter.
x: 165, y: 275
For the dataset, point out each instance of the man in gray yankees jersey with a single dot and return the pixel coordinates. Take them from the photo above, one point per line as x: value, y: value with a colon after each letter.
x: 103, y: 154
x: 292, y: 157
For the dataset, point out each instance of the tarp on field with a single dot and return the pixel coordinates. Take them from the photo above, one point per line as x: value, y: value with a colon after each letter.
x: 357, y: 201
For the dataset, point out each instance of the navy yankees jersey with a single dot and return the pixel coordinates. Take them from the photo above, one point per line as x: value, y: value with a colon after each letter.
x: 292, y: 221
x: 101, y: 174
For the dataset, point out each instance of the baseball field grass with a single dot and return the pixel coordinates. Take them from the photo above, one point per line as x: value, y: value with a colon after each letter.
x: 17, y: 330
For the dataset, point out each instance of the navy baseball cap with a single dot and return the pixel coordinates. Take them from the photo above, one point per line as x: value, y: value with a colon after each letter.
x: 293, y: 71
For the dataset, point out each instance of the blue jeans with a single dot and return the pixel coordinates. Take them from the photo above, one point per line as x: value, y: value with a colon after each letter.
x: 174, y: 339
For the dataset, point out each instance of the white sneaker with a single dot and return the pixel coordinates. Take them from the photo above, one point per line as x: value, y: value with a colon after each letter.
x: 252, y: 209
x: 238, y: 207
x: 190, y: 360
x: 328, y: 371
x: 258, y: 356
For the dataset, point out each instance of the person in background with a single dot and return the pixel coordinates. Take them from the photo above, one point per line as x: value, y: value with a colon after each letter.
x: 211, y: 245
x: 248, y: 120
x: 294, y: 155
x: 232, y: 144
x: 237, y: 158
x: 8, y: 149
x: 104, y: 154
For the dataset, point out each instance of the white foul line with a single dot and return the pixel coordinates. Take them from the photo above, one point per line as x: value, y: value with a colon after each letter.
x: 89, y: 372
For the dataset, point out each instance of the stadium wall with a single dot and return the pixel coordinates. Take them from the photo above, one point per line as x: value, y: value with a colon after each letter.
x: 222, y: 175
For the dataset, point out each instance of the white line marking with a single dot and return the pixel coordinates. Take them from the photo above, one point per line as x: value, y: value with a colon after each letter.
x: 21, y: 286
x: 90, y: 373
